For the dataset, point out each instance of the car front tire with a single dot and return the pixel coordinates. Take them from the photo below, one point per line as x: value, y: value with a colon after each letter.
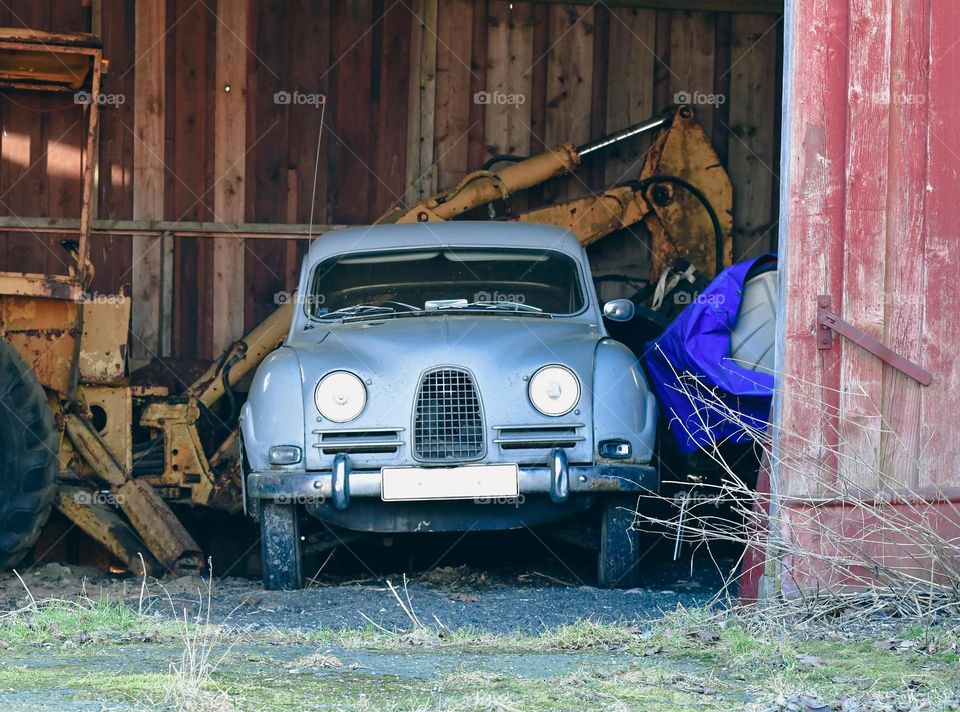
x: 618, y: 565
x: 280, y: 546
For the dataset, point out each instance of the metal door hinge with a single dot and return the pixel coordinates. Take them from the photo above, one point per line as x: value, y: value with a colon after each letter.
x: 829, y: 322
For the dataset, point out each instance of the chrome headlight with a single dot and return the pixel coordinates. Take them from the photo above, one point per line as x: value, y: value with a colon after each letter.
x: 554, y: 390
x: 340, y: 396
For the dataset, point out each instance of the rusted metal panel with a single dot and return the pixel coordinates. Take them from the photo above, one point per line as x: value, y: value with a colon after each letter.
x: 26, y: 65
x: 48, y: 286
x: 111, y: 412
x: 43, y: 331
x: 681, y: 226
x: 103, y: 347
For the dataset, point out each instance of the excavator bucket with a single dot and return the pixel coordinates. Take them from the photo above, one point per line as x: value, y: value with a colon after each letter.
x: 680, y: 225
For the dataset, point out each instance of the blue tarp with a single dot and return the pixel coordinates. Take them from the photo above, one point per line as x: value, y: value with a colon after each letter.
x: 697, y: 343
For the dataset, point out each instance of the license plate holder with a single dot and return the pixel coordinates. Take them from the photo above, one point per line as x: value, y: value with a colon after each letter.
x: 408, y: 484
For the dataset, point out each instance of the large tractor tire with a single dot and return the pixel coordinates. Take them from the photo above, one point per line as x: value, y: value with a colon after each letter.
x: 28, y: 458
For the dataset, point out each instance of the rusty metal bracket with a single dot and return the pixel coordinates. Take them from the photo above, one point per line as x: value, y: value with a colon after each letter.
x: 829, y: 322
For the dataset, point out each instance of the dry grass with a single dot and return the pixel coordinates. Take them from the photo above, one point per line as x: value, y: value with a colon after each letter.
x: 916, y: 575
x: 190, y: 685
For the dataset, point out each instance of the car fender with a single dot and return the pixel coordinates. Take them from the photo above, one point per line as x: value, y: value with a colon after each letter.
x: 624, y: 407
x: 273, y: 413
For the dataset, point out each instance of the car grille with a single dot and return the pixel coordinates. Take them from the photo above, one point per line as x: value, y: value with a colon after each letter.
x: 448, y: 424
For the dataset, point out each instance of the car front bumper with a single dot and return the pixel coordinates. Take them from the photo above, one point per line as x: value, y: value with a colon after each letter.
x: 557, y: 478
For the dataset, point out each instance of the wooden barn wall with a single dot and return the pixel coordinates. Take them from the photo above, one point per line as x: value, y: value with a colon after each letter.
x: 402, y: 120
x: 872, y: 223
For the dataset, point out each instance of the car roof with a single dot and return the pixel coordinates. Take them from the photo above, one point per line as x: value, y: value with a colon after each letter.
x: 435, y: 234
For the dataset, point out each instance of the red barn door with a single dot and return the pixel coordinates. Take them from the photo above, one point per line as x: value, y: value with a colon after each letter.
x: 871, y: 217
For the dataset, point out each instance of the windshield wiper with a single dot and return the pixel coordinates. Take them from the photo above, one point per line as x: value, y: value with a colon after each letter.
x: 361, y: 310
x: 355, y: 310
x: 498, y: 304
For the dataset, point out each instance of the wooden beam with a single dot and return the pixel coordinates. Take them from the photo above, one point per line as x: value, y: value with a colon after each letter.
x: 229, y: 145
x: 692, y: 56
x: 156, y: 228
x: 421, y: 174
x: 751, y: 153
x: 771, y: 6
x: 806, y: 401
x: 569, y: 87
x: 509, y: 77
x: 453, y: 98
x: 148, y: 174
x: 631, y: 51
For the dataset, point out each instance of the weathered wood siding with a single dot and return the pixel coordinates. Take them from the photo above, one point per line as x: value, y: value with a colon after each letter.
x: 870, y: 219
x: 403, y: 119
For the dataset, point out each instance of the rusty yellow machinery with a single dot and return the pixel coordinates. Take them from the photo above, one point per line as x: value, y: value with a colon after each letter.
x: 683, y: 195
x: 77, y: 435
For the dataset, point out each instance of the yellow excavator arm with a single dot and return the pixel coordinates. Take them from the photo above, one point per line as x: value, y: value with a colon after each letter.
x: 683, y: 194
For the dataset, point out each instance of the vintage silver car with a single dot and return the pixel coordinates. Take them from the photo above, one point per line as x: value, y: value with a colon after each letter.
x: 448, y: 377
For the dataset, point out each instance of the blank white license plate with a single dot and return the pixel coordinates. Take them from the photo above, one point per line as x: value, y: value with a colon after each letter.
x: 466, y: 482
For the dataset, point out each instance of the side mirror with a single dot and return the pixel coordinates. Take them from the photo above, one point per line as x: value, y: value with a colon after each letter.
x: 619, y: 310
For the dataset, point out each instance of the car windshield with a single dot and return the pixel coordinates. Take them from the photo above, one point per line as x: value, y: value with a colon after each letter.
x: 448, y: 279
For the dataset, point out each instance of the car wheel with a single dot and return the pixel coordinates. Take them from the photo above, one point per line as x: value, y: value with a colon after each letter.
x: 280, y: 546
x: 28, y: 458
x: 618, y: 564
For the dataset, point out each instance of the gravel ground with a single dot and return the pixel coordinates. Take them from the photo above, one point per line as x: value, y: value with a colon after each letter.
x: 456, y: 597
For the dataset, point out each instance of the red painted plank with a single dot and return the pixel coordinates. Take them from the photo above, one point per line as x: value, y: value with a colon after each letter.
x: 940, y: 446
x: 813, y: 259
x: 849, y: 544
x: 906, y: 195
x: 868, y: 121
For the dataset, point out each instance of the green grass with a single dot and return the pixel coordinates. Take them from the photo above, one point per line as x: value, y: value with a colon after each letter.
x: 688, y: 660
x: 99, y: 621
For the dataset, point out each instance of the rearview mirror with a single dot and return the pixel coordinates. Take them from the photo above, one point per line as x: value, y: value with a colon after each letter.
x: 619, y: 310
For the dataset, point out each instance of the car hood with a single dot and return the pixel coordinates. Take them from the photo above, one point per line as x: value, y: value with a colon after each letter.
x: 501, y: 352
